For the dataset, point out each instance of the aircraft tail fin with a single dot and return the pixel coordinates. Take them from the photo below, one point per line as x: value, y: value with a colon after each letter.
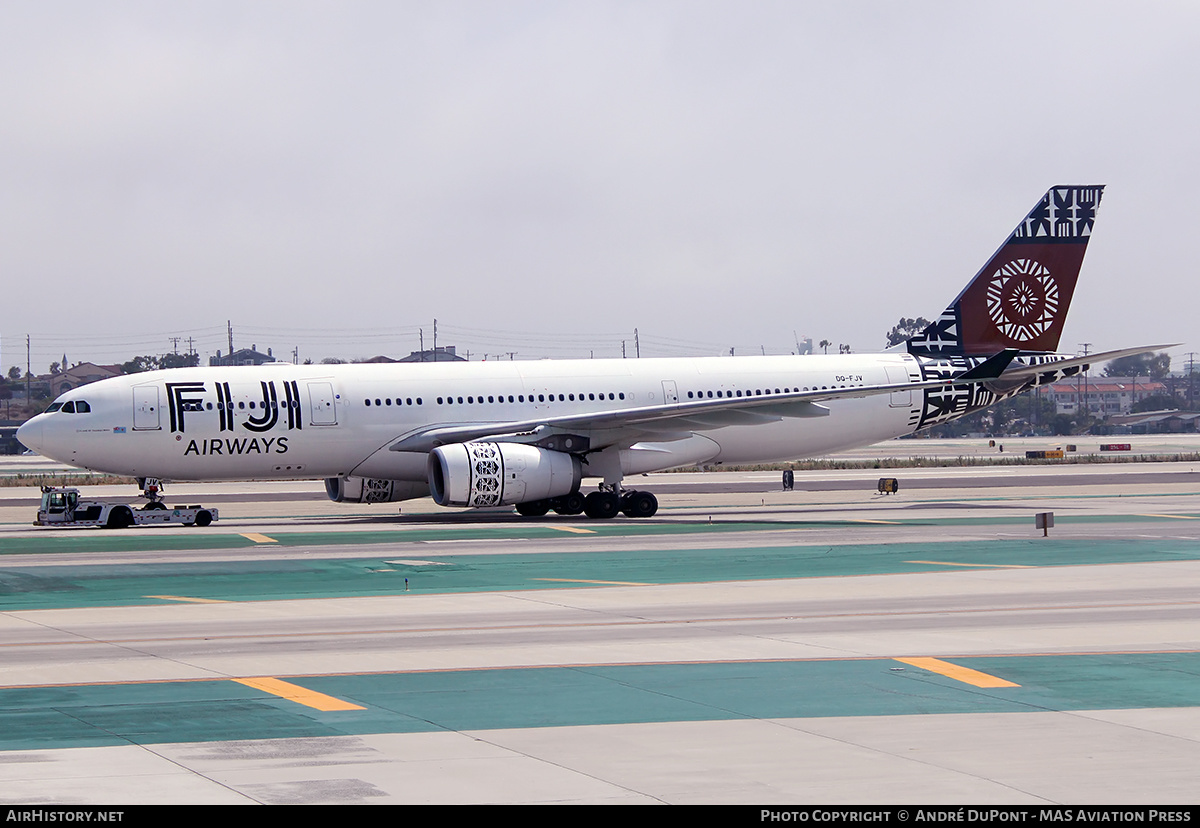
x: 1019, y: 299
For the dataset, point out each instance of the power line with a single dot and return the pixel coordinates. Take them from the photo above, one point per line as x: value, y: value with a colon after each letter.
x: 353, y: 343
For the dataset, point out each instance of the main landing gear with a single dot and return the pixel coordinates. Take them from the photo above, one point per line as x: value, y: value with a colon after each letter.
x: 638, y: 504
x: 572, y: 504
x: 599, y: 505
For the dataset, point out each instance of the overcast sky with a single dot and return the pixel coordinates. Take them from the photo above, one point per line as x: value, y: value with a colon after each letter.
x: 545, y: 177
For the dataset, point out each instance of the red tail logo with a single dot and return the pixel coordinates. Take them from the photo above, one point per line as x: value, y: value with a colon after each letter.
x: 1020, y: 297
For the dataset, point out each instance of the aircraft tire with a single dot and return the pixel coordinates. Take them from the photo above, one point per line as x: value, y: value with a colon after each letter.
x: 639, y: 505
x: 601, y: 505
x: 571, y: 504
x: 534, y: 508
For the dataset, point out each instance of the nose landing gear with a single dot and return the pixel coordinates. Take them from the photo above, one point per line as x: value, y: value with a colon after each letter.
x: 152, y: 490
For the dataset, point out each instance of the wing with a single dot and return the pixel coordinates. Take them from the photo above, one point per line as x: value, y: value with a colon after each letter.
x: 663, y: 422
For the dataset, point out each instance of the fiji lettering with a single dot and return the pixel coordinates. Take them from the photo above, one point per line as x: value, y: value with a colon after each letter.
x: 259, y: 413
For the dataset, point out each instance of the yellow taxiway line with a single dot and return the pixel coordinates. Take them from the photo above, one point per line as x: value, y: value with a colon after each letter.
x: 984, y: 566
x: 298, y: 694
x: 605, y: 583
x: 963, y: 674
x: 187, y: 600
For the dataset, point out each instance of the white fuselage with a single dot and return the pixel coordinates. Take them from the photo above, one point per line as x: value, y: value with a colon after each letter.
x: 319, y: 421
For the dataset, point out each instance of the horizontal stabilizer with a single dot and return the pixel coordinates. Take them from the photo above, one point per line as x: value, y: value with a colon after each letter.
x: 992, y: 367
x: 1081, y: 362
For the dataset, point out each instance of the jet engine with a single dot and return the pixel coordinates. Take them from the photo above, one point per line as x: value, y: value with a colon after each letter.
x: 372, y: 490
x: 499, y: 474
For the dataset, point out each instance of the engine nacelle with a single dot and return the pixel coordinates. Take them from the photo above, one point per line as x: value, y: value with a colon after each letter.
x: 372, y: 490
x: 499, y: 474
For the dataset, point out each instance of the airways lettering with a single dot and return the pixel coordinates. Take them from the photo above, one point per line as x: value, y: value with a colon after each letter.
x: 230, y: 446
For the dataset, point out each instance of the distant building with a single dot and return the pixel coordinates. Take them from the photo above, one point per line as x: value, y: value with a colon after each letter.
x: 442, y: 353
x: 1101, y: 396
x: 244, y: 356
x: 1157, y: 422
x: 75, y: 376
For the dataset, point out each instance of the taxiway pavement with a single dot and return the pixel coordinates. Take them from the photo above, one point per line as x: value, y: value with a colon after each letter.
x: 747, y: 645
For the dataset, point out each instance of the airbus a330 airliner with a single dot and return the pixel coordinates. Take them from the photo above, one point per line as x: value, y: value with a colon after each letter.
x: 481, y: 434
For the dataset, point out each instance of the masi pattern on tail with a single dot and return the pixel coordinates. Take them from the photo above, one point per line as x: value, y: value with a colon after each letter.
x: 1019, y: 299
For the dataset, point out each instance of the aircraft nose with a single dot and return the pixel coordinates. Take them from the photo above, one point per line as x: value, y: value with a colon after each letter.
x: 30, y: 435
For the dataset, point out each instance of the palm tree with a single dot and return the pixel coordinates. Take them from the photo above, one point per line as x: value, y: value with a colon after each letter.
x: 824, y: 345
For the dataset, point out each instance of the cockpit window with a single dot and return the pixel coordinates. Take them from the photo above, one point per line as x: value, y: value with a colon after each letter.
x: 70, y: 407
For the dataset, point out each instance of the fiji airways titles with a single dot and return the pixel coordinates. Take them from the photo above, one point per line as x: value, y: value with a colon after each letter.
x: 232, y: 446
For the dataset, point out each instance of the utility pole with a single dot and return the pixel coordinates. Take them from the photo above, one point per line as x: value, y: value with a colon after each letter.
x: 28, y: 374
x: 637, y: 346
x: 1191, y: 392
x: 1083, y: 376
x: 435, y: 340
x: 175, y: 343
x: 229, y: 326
